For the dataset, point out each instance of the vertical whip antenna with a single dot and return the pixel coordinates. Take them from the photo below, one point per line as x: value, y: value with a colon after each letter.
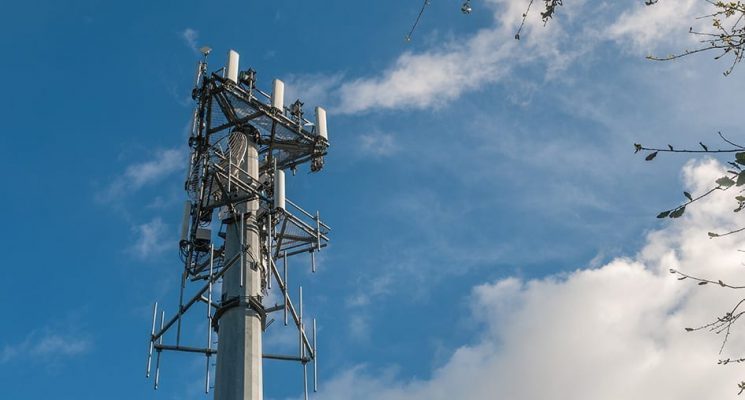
x: 315, y: 357
x: 152, y: 340
x: 209, y: 318
x: 159, y: 349
x: 284, y: 292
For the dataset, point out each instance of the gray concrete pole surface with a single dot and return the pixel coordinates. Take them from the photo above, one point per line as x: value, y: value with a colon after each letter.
x: 239, y: 356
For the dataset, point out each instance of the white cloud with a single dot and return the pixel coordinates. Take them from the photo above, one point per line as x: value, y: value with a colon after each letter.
x: 280, y: 338
x: 434, y: 77
x: 431, y: 78
x: 378, y: 144
x: 358, y: 312
x: 312, y: 89
x: 60, y: 345
x: 151, y: 238
x: 614, y: 332
x: 44, y: 346
x: 444, y: 72
x: 144, y: 173
x: 373, y: 287
x: 645, y: 28
x: 358, y: 326
x: 190, y: 36
x: 166, y: 162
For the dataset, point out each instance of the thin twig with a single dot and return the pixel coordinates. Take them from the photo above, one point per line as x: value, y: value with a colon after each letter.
x: 729, y: 233
x: 689, y: 151
x: 416, y: 22
x: 726, y: 140
x: 522, y: 23
x: 697, y: 279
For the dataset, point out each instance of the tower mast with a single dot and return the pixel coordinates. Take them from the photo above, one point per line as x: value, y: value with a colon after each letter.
x: 239, y: 361
x: 238, y: 225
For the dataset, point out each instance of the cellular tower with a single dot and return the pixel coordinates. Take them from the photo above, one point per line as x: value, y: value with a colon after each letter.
x: 240, y: 230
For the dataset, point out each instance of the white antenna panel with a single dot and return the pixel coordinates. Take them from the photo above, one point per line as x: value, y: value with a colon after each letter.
x: 185, y: 220
x: 279, y: 189
x: 321, y: 123
x: 278, y: 95
x: 232, y: 73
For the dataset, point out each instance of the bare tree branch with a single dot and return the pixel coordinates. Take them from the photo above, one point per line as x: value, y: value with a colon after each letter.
x: 728, y: 37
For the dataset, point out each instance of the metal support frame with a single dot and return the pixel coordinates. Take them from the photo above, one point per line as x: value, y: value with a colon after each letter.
x: 216, y: 182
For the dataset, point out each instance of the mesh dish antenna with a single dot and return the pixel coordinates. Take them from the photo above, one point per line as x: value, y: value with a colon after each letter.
x: 237, y: 146
x: 239, y: 227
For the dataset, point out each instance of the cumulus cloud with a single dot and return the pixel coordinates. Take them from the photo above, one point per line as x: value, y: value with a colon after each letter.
x: 150, y: 238
x: 44, y: 346
x: 432, y: 78
x: 442, y: 73
x: 438, y: 75
x: 138, y: 175
x: 426, y: 79
x: 613, y: 332
x: 644, y: 28
x: 378, y: 144
x: 190, y: 37
x: 165, y: 162
x: 312, y: 89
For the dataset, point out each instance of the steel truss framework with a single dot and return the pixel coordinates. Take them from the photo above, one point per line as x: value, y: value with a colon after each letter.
x: 229, y: 116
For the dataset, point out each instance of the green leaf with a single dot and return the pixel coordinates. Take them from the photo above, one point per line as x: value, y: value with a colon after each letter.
x: 741, y: 178
x: 678, y: 212
x: 651, y: 156
x: 725, y: 181
x: 740, y: 198
x: 688, y: 195
x: 740, y: 158
x: 663, y: 214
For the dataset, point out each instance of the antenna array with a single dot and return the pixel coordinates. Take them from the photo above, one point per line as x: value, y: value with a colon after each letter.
x: 239, y: 229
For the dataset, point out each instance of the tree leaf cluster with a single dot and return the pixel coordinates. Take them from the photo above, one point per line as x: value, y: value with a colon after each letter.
x: 735, y: 177
x: 727, y: 34
x: 550, y: 9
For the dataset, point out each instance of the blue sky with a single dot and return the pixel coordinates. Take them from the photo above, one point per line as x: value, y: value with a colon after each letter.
x: 492, y: 227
